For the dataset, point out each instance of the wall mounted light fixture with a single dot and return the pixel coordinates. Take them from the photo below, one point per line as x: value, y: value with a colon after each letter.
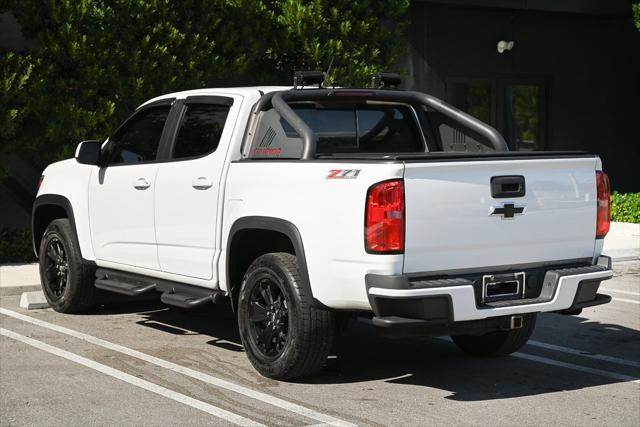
x: 505, y: 45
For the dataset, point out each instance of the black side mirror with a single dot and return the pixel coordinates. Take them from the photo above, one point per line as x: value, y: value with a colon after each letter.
x: 88, y: 152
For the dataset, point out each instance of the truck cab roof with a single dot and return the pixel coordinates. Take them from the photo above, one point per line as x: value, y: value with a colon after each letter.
x: 248, y: 90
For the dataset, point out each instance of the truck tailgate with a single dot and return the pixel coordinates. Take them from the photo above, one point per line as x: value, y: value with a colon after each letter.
x: 450, y: 225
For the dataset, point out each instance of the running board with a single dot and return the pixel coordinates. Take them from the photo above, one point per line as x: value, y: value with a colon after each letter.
x: 173, y: 293
x: 130, y: 289
x: 189, y: 301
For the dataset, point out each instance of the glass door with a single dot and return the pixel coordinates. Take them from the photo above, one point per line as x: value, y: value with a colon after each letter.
x: 516, y: 107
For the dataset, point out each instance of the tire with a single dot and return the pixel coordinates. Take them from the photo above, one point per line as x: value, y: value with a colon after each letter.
x: 67, y: 282
x: 288, y: 338
x: 497, y: 343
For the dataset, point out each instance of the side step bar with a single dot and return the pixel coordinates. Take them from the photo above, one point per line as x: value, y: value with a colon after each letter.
x: 189, y: 301
x: 173, y: 293
x: 130, y: 289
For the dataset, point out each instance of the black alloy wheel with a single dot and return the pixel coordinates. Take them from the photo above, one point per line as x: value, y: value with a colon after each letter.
x: 268, y: 317
x: 67, y: 281
x: 56, y: 266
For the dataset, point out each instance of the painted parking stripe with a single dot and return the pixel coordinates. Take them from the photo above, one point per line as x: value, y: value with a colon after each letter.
x: 544, y: 360
x: 206, y: 378
x: 600, y: 372
x: 631, y: 301
x: 620, y: 291
x: 130, y: 379
x: 583, y: 353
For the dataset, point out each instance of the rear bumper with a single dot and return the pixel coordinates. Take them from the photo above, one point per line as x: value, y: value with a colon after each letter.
x: 413, y: 301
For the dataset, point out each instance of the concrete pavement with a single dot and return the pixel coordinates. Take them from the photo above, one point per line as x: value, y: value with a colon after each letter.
x: 576, y: 370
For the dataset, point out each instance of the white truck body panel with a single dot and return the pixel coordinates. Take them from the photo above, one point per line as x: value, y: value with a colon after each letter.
x: 449, y: 225
x: 70, y: 179
x: 329, y: 214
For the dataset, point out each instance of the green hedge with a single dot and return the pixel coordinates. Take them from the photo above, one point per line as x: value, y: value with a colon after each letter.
x: 625, y: 207
x: 92, y: 62
x: 15, y: 245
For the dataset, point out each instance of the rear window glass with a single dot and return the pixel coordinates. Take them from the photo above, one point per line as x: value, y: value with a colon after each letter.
x: 342, y: 128
x: 366, y: 128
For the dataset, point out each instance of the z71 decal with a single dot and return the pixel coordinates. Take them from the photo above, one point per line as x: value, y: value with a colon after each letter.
x: 343, y: 173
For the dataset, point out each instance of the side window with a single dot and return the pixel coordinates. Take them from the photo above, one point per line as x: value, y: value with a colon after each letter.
x: 200, y: 130
x: 137, y: 141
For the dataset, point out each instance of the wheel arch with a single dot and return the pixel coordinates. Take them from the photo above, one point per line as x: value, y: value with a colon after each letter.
x: 47, y: 208
x: 252, y: 236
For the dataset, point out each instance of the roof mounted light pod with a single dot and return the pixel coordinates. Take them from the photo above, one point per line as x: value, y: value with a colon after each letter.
x: 382, y: 80
x: 307, y: 78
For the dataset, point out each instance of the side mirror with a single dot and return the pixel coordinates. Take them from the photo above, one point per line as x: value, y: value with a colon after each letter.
x: 88, y: 152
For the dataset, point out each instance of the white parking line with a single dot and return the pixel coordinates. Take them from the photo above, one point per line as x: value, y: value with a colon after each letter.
x: 631, y: 301
x: 582, y: 353
x: 206, y: 378
x: 554, y: 362
x: 130, y: 379
x: 620, y: 291
x: 594, y: 371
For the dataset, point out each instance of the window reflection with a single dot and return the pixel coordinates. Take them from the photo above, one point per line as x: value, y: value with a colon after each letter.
x: 523, y: 116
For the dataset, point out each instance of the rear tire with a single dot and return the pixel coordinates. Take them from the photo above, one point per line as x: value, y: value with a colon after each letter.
x: 497, y: 343
x: 67, y: 282
x: 284, y: 336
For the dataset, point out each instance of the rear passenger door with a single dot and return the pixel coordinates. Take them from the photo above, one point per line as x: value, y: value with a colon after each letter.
x: 189, y: 186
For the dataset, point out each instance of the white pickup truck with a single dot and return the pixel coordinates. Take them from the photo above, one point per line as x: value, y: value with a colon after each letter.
x: 306, y: 206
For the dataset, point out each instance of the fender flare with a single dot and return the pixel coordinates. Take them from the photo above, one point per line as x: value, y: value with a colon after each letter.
x: 281, y: 226
x: 49, y: 199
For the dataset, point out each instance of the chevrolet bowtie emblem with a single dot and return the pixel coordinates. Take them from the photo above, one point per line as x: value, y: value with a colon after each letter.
x: 508, y: 210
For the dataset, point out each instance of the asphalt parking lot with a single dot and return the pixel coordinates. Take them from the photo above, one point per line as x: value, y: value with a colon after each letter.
x: 141, y: 363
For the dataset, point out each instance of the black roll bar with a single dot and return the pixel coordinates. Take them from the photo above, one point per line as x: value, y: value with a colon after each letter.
x: 309, y: 137
x: 279, y: 101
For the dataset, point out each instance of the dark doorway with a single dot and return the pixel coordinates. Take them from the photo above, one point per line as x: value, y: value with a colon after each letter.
x: 514, y: 106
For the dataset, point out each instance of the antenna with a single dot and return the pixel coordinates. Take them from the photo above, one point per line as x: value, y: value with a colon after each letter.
x: 326, y: 74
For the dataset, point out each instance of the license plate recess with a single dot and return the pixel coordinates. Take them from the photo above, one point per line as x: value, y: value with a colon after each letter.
x: 500, y: 287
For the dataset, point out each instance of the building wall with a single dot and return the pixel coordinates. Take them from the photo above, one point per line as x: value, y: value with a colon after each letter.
x: 589, y: 63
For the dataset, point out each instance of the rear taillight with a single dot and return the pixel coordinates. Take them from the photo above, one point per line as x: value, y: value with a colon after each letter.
x: 384, y: 218
x: 604, y: 204
x: 39, y: 183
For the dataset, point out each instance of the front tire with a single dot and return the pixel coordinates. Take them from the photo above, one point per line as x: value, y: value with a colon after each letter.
x: 284, y: 336
x: 497, y: 343
x: 67, y: 283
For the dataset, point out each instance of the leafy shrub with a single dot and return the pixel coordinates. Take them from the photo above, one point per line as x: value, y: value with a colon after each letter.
x: 625, y: 207
x: 91, y: 62
x: 15, y: 245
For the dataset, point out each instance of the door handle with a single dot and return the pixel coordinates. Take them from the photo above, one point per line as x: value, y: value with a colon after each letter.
x: 201, y: 183
x: 507, y: 186
x: 141, y: 184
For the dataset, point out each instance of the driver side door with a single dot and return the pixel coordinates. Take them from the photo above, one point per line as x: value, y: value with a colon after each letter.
x: 121, y: 192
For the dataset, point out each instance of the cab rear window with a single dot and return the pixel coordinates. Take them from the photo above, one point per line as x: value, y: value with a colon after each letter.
x: 342, y: 128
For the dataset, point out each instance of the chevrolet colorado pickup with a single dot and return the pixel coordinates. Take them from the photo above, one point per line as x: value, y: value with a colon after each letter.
x: 305, y: 206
